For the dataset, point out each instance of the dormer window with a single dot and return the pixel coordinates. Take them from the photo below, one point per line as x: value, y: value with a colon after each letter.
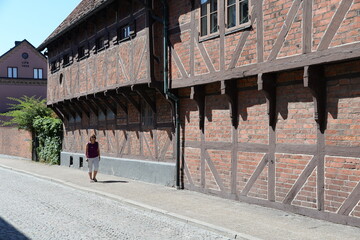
x: 54, y: 66
x: 102, y: 43
x: 126, y: 32
x: 66, y: 60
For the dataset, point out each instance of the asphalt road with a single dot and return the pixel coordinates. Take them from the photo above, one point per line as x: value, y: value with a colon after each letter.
x: 33, y: 208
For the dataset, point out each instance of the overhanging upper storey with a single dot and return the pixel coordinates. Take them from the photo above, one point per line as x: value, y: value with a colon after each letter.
x: 101, y: 45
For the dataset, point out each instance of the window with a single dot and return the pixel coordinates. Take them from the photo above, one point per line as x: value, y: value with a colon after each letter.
x: 81, y: 52
x: 237, y: 12
x: 208, y: 17
x: 101, y: 43
x: 12, y: 72
x: 126, y: 32
x: 54, y: 66
x: 38, y: 73
x: 66, y: 60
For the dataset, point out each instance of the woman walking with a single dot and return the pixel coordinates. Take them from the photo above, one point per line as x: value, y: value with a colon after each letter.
x: 93, y: 157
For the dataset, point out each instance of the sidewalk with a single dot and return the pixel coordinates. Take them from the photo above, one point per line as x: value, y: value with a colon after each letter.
x: 233, y: 219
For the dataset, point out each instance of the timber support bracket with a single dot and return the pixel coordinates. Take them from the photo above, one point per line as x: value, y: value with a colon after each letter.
x: 267, y: 84
x: 314, y: 79
x: 198, y: 95
x: 229, y: 89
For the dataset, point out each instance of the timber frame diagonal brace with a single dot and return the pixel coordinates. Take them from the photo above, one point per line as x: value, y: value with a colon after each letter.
x: 267, y: 84
x: 229, y: 89
x: 314, y: 79
x: 198, y: 95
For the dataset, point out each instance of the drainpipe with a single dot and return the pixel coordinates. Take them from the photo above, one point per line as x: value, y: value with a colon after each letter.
x: 170, y: 95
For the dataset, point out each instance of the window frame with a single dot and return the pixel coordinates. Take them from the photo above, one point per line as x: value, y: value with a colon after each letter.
x: 12, y: 72
x: 101, y: 43
x: 237, y: 26
x: 208, y: 22
x: 37, y: 70
x: 131, y: 33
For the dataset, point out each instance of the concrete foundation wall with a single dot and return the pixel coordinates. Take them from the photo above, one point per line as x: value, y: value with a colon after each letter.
x: 147, y: 171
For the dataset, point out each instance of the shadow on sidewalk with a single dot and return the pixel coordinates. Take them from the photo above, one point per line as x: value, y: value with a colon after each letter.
x: 113, y: 181
x: 7, y: 231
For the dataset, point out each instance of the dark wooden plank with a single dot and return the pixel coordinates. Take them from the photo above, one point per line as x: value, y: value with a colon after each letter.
x: 239, y: 48
x: 342, y: 53
x: 300, y: 181
x: 344, y: 151
x: 229, y: 89
x: 192, y: 43
x: 320, y: 182
x: 267, y: 84
x: 178, y: 62
x: 206, y: 57
x: 214, y: 172
x: 188, y: 175
x: 222, y: 34
x: 307, y: 26
x: 202, y: 160
x: 148, y: 100
x: 296, y: 149
x: 255, y: 175
x: 271, y: 164
x: 259, y: 30
x: 234, y: 160
x: 351, y: 201
x: 285, y: 29
x: 335, y: 24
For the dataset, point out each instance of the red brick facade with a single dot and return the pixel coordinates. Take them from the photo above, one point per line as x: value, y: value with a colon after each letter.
x: 268, y: 110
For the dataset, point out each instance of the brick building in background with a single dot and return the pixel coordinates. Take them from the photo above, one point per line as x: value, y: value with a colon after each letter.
x: 266, y: 94
x: 23, y: 71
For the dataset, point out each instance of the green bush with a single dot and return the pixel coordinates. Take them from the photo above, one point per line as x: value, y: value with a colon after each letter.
x: 25, y: 111
x: 49, y: 133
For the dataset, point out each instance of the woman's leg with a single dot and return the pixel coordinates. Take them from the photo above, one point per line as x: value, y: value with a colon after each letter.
x: 96, y: 168
x: 90, y: 165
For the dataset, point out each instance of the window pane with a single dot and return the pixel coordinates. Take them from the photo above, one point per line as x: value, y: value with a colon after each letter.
x: 213, y: 23
x: 213, y: 5
x: 204, y: 26
x: 231, y: 16
x: 230, y: 2
x: 10, y: 73
x: 244, y: 11
x: 40, y: 74
x: 203, y: 10
x: 14, y: 72
x: 35, y: 73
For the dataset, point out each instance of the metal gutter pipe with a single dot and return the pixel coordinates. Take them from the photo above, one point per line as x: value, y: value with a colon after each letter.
x: 170, y: 95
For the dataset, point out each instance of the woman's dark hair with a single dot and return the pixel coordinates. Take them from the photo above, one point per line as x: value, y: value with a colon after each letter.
x: 92, y: 136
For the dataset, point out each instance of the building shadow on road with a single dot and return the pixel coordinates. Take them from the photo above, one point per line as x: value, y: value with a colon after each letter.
x: 7, y: 231
x: 112, y: 181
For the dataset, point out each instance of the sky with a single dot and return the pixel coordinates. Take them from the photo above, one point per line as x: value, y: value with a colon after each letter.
x: 33, y: 20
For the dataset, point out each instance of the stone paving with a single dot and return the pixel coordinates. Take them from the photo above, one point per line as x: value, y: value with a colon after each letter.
x: 33, y: 208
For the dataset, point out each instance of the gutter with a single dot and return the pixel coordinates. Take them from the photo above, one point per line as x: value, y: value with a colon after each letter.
x: 169, y: 95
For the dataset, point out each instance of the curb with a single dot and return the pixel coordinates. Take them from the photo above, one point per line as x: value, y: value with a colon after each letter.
x: 219, y: 230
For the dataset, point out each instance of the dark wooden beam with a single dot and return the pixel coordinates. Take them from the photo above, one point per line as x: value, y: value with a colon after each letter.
x: 130, y: 99
x: 198, y: 94
x: 314, y: 79
x: 77, y: 104
x: 57, y: 111
x: 117, y: 99
x: 90, y: 105
x: 61, y: 108
x: 106, y: 100
x: 147, y: 99
x: 96, y: 101
x: 229, y: 89
x: 267, y: 84
x: 75, y: 107
x: 68, y: 108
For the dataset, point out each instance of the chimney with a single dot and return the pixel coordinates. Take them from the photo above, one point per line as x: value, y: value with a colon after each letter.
x: 17, y: 43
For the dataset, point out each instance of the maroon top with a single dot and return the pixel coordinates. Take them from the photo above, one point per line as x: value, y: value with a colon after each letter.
x: 93, y: 150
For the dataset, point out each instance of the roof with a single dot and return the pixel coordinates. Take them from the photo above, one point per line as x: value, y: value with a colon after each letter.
x: 82, y: 11
x: 18, y: 43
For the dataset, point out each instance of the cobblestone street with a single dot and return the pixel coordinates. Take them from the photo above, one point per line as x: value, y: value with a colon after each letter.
x: 32, y: 208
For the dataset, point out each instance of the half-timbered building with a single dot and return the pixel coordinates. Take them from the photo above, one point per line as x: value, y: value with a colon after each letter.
x: 256, y: 101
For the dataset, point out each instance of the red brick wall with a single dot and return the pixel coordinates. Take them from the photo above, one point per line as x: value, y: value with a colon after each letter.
x: 15, y: 142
